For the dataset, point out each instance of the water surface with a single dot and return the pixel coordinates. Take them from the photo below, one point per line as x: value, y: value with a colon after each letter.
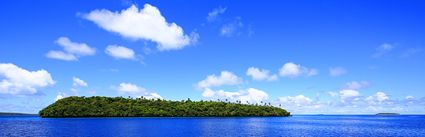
x: 299, y: 125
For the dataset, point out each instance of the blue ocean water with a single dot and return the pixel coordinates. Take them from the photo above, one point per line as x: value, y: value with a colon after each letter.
x: 298, y: 125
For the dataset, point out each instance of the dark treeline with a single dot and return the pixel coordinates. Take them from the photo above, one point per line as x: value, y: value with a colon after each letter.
x: 142, y: 107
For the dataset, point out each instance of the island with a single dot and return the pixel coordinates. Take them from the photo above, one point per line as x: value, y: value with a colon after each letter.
x: 98, y: 106
x: 16, y: 114
x: 387, y: 114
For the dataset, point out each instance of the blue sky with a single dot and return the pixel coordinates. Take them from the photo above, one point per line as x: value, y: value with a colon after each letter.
x: 308, y: 56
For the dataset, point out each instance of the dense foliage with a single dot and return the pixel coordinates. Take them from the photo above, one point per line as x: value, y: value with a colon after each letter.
x: 141, y: 107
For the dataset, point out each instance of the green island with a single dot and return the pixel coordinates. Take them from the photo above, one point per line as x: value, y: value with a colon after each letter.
x: 141, y: 107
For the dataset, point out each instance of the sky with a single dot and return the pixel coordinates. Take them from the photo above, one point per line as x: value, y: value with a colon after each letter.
x: 309, y: 57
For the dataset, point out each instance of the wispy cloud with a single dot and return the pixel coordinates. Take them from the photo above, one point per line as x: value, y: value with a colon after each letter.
x: 232, y: 29
x: 337, y: 71
x: 382, y: 50
x: 356, y: 85
x: 215, y: 13
x: 411, y: 52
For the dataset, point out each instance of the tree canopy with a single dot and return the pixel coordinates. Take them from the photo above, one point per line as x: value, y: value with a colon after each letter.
x: 141, y: 107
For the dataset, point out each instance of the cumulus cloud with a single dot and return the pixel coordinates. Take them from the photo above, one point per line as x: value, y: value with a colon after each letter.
x: 225, y: 78
x: 120, y: 52
x: 72, y: 50
x: 299, y: 100
x: 378, y: 98
x: 134, y: 90
x: 356, y: 85
x: 260, y: 74
x: 152, y: 96
x: 292, y: 70
x: 77, y: 82
x: 208, y: 93
x: 382, y: 50
x: 348, y: 95
x: 337, y: 71
x: 350, y: 102
x: 301, y: 104
x: 19, y: 81
x: 143, y: 24
x: 128, y: 88
x: 60, y: 95
x: 212, y: 16
x: 250, y: 95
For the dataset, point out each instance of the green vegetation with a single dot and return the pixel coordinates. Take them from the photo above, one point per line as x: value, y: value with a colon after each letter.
x: 142, y: 107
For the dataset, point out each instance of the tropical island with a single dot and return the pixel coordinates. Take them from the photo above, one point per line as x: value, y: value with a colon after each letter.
x: 142, y: 107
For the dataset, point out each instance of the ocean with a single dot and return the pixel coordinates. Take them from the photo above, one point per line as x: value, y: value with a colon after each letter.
x: 297, y: 125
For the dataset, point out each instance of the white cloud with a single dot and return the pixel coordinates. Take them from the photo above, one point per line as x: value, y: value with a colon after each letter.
x: 212, y: 16
x: 134, y: 90
x: 128, y: 88
x: 61, y: 55
x: 350, y: 102
x: 378, y: 98
x: 260, y: 74
x: 78, y: 82
x: 337, y: 71
x: 232, y: 28
x: 152, y: 96
x: 292, y: 70
x: 299, y: 100
x: 356, y: 85
x: 72, y: 50
x: 381, y: 96
x: 382, y: 50
x: 120, y: 52
x: 208, y: 93
x: 79, y: 49
x: 348, y: 95
x: 16, y: 80
x: 143, y: 24
x: 225, y: 78
x: 250, y: 95
x: 60, y: 95
x: 301, y: 104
